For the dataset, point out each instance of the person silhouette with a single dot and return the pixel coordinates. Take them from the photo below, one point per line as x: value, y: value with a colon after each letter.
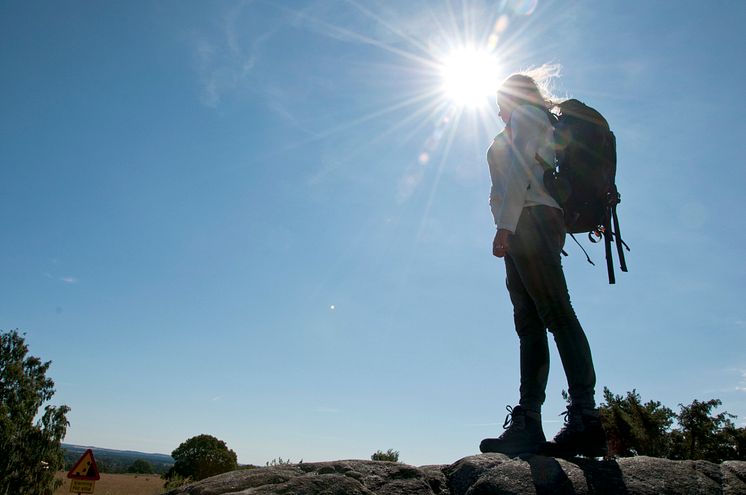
x: 530, y: 237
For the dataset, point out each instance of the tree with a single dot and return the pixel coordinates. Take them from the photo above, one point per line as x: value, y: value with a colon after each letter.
x: 705, y: 436
x: 736, y: 437
x: 141, y: 466
x: 390, y: 455
x: 201, y: 457
x: 31, y: 450
x: 634, y: 428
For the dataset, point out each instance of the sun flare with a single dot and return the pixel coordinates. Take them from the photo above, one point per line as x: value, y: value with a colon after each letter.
x: 470, y: 77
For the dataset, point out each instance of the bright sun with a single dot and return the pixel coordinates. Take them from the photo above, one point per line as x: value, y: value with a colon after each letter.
x: 470, y: 77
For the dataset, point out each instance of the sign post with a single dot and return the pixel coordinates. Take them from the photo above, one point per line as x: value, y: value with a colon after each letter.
x: 84, y: 474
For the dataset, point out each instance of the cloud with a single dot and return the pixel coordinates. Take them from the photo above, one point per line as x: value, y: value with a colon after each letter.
x: 741, y: 384
x: 69, y: 280
x: 224, y: 61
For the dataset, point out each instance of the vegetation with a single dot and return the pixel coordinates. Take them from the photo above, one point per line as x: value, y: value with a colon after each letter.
x: 141, y: 466
x: 201, y: 457
x: 390, y: 455
x: 174, y: 480
x: 117, y: 461
x: 707, y: 436
x: 281, y: 462
x: 634, y: 428
x: 637, y: 428
x: 31, y: 450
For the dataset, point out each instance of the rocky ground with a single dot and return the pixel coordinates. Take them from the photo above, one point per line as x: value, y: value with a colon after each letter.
x: 485, y: 474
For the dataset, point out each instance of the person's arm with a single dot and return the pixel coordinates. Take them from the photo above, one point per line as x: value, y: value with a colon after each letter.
x: 496, y: 192
x: 527, y: 124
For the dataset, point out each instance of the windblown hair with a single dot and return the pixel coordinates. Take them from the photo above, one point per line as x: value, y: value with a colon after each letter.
x: 531, y: 87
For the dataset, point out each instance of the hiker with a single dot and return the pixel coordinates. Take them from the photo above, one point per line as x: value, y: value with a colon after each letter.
x: 530, y: 237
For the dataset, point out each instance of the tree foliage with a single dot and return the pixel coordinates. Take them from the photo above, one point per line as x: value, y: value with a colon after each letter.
x: 31, y: 450
x: 704, y: 435
x: 201, y: 457
x: 634, y: 428
x: 390, y: 455
x: 637, y: 428
x: 141, y: 466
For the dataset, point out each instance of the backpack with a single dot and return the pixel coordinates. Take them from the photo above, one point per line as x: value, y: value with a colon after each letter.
x: 582, y: 179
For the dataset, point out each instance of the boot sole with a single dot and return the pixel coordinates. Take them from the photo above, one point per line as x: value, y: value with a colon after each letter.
x: 512, y: 453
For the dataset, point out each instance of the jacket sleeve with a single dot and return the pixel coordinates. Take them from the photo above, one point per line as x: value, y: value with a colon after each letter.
x: 496, y: 192
x: 527, y: 124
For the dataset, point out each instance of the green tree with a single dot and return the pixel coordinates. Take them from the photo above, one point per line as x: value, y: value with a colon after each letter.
x: 634, y: 428
x: 390, y: 455
x: 141, y: 466
x: 705, y: 435
x: 201, y: 457
x: 31, y: 451
x: 737, y: 439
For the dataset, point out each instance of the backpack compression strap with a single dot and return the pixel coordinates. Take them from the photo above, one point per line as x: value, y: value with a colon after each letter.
x: 607, y: 246
x: 619, y: 241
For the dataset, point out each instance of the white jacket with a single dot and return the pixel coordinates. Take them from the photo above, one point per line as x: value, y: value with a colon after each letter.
x: 517, y: 177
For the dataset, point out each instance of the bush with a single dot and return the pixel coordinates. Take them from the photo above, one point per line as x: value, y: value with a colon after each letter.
x: 390, y: 455
x: 175, y: 481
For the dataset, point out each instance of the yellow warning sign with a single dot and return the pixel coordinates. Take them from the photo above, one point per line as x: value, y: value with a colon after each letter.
x: 81, y: 486
x: 85, y: 468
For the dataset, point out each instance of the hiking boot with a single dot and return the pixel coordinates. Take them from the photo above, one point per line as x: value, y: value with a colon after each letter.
x: 582, y: 434
x: 522, y: 435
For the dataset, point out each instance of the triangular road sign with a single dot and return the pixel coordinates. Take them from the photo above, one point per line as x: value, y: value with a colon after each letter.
x: 85, y: 468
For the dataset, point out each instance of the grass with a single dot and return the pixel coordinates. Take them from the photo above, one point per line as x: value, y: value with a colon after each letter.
x: 118, y: 484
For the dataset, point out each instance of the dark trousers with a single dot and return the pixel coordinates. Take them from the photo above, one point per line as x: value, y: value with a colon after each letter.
x: 538, y: 291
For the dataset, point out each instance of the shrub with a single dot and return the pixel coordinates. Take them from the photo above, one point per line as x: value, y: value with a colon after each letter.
x: 390, y: 455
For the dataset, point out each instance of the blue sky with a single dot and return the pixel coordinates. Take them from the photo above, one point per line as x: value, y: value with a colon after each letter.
x: 264, y: 221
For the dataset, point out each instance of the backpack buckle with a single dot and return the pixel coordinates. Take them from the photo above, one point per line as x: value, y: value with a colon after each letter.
x: 613, y: 197
x: 596, y: 234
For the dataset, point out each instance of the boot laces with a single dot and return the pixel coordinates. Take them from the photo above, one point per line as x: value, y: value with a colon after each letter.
x: 573, y: 422
x: 514, y: 419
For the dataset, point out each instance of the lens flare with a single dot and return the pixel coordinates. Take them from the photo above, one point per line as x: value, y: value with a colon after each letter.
x: 470, y: 77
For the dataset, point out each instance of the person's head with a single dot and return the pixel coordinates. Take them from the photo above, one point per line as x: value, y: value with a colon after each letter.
x: 529, y: 87
x: 516, y: 90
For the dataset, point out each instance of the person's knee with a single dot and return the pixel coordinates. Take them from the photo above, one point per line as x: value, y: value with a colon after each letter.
x: 559, y: 318
x: 530, y: 327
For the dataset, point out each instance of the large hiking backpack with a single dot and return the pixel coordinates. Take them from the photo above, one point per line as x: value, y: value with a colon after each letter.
x: 583, y: 178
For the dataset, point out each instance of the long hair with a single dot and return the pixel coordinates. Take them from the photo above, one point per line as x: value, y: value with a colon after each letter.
x: 531, y: 87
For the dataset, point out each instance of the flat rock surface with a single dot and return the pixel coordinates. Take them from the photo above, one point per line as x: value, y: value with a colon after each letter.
x: 484, y: 474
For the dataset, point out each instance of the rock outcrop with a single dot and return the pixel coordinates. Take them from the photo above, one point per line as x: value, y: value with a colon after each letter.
x: 483, y: 475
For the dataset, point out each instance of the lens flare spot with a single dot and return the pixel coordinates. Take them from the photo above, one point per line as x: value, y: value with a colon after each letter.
x: 523, y: 7
x: 501, y: 24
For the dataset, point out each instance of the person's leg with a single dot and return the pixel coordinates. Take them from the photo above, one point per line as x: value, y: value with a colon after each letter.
x: 523, y: 430
x: 532, y: 335
x: 536, y: 255
x: 536, y: 251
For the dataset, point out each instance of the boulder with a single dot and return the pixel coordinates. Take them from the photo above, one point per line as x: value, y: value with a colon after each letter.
x: 484, y: 474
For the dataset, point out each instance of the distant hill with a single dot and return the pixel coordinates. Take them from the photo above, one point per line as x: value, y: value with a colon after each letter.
x: 116, y: 461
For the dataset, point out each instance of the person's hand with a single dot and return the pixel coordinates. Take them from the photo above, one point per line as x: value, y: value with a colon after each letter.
x: 501, y: 243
